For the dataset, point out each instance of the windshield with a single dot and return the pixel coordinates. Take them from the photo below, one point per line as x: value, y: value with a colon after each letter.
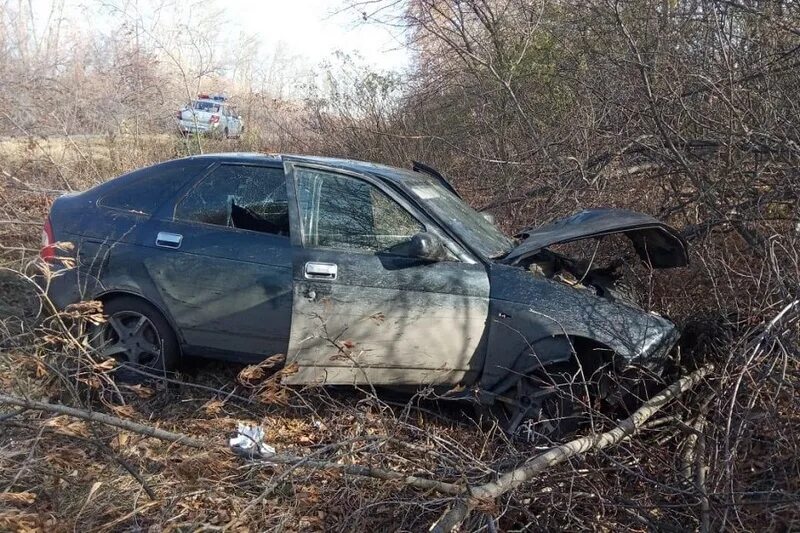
x: 210, y: 107
x: 470, y: 225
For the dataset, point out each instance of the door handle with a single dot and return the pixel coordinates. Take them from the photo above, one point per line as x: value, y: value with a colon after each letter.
x: 314, y: 270
x: 169, y: 240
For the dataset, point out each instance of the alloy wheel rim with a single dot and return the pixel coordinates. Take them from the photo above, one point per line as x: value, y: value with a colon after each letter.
x: 533, y: 417
x: 130, y: 337
x: 542, y: 423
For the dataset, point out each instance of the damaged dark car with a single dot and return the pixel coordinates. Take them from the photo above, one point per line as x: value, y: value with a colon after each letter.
x: 361, y: 274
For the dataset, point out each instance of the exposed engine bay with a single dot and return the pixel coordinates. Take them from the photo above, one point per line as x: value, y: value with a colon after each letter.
x: 604, y: 280
x: 607, y: 273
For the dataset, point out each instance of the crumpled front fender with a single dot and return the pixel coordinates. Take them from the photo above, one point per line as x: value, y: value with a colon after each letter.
x: 530, y: 318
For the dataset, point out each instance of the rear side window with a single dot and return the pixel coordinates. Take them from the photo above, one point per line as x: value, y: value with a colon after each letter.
x: 145, y: 190
x: 239, y: 196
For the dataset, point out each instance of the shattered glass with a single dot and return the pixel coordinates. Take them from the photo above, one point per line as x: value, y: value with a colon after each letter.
x: 239, y: 196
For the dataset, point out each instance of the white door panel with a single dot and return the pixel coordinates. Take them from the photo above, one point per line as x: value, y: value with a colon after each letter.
x: 371, y: 316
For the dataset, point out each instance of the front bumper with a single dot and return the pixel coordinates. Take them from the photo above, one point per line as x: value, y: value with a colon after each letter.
x: 657, y: 354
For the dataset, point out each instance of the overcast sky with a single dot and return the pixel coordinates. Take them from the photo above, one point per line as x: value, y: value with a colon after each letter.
x: 310, y: 29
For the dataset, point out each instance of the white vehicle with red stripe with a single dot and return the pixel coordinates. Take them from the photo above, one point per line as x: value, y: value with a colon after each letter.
x: 210, y: 115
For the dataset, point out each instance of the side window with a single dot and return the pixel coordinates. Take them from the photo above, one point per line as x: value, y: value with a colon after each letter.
x: 145, y: 190
x: 350, y: 214
x: 239, y: 196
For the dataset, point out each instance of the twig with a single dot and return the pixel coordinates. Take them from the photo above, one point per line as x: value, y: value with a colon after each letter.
x: 700, y: 470
x: 9, y: 416
x: 22, y: 222
x: 106, y: 419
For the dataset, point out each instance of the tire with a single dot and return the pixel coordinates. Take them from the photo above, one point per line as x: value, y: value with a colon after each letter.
x: 542, y: 408
x: 225, y: 133
x: 136, y: 334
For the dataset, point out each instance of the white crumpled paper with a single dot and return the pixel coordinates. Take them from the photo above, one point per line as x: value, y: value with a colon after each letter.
x: 249, y: 442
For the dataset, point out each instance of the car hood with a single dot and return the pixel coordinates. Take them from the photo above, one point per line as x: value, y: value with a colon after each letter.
x: 656, y: 243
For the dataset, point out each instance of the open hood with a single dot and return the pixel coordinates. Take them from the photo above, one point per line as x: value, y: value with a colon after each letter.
x: 656, y: 243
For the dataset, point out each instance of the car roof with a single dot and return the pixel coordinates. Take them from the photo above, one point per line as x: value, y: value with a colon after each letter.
x: 352, y: 165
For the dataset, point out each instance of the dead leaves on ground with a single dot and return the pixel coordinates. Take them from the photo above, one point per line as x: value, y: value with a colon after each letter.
x: 140, y: 391
x: 20, y: 522
x: 66, y: 425
x: 267, y: 388
x: 199, y: 486
x: 76, y: 475
x: 202, y: 465
x: 90, y: 311
x: 124, y: 411
x: 255, y: 373
x: 213, y: 407
x: 17, y: 498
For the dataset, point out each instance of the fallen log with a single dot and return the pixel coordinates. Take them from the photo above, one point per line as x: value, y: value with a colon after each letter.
x: 93, y: 416
x: 559, y: 454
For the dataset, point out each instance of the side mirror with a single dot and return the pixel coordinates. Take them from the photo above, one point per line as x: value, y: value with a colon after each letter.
x: 488, y: 216
x: 427, y: 246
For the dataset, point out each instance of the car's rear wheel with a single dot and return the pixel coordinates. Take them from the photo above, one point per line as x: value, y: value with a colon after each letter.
x: 136, y: 334
x: 543, y: 408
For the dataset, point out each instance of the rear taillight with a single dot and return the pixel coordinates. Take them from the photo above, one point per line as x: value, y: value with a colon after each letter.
x: 214, y: 119
x: 48, y: 250
x: 179, y: 114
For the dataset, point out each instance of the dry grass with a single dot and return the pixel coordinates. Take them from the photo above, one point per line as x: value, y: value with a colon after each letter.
x: 61, y: 474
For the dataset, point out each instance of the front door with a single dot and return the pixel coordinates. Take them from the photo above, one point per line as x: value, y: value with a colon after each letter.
x: 363, y: 310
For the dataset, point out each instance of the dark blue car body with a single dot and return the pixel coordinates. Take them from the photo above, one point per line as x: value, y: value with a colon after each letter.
x: 343, y: 314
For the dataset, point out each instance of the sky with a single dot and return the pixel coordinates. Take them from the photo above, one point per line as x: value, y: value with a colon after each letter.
x: 312, y: 30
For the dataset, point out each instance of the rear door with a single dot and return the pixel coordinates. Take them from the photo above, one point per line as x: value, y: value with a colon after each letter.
x: 365, y: 312
x: 223, y: 264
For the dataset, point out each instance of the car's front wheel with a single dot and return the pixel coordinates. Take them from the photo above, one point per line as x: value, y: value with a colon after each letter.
x: 543, y: 408
x: 135, y: 333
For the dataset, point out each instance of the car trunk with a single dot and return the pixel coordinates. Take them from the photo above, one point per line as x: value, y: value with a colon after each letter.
x: 201, y: 112
x: 192, y: 115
